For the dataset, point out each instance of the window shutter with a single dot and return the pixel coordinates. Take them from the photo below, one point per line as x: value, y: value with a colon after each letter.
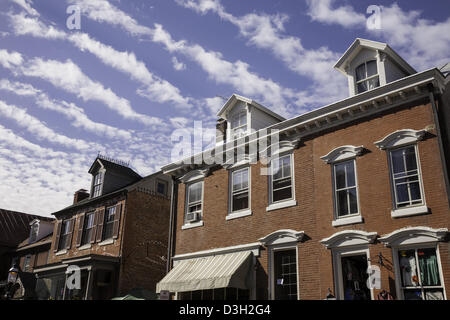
x: 80, y: 229
x: 117, y: 221
x: 69, y: 236
x: 101, y: 219
x: 94, y: 228
x: 58, y: 233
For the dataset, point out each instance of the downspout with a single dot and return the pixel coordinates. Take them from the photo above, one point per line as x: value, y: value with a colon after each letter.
x: 172, y: 224
x: 440, y: 143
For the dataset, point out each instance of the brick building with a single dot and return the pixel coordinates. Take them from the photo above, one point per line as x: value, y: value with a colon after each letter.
x: 116, y: 235
x: 357, y: 186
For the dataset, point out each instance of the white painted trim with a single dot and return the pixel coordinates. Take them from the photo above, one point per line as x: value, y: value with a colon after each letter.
x: 281, y: 205
x: 346, y: 152
x: 280, y: 148
x: 282, y: 236
x: 400, y: 138
x: 190, y: 225
x: 347, y: 238
x: 194, y: 175
x: 61, y: 252
x: 409, y: 211
x: 353, y: 219
x: 106, y: 242
x: 254, y: 247
x: 85, y: 247
x: 271, y: 269
x: 239, y: 214
x: 414, y: 235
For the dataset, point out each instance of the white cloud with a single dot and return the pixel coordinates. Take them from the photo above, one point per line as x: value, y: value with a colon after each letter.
x: 178, y: 65
x: 346, y: 16
x: 10, y: 60
x: 26, y: 5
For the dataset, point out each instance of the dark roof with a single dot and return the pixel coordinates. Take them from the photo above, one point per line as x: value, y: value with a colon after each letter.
x: 25, y: 243
x: 15, y: 226
x: 115, y: 166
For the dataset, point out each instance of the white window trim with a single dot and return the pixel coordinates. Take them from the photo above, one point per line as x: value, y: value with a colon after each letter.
x: 271, y: 266
x: 367, y: 78
x: 244, y: 127
x: 106, y: 242
x: 199, y: 223
x: 398, y: 280
x: 243, y: 212
x: 285, y: 202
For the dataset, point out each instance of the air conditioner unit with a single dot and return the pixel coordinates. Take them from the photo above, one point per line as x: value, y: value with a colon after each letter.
x: 192, y: 216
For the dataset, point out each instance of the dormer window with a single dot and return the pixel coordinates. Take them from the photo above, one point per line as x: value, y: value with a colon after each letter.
x: 239, y: 125
x: 34, y: 232
x: 367, y: 76
x: 98, y: 183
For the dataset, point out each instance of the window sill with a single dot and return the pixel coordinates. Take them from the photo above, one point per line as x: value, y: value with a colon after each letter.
x: 347, y: 220
x: 239, y: 214
x: 85, y: 247
x: 281, y: 205
x: 61, y: 252
x: 410, y: 211
x: 106, y: 242
x: 192, y: 225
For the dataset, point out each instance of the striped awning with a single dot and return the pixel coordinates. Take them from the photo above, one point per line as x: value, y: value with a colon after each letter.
x: 219, y: 271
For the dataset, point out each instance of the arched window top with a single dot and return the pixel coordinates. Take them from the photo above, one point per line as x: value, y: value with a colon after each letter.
x: 400, y: 138
x: 342, y: 153
x: 282, y: 236
x: 414, y: 235
x: 194, y: 175
x: 349, y: 238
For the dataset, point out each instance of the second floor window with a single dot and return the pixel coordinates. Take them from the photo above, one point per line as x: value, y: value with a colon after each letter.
x: 87, y: 228
x: 98, y: 183
x: 108, y: 225
x: 281, y: 179
x: 345, y: 190
x: 64, y: 237
x: 239, y: 125
x: 367, y: 76
x: 194, y: 201
x: 405, y: 175
x: 240, y: 190
x: 27, y: 263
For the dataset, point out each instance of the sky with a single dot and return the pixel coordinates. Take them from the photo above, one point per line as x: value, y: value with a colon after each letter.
x: 127, y: 77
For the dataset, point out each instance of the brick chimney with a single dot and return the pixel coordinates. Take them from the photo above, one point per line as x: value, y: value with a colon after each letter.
x: 80, y: 195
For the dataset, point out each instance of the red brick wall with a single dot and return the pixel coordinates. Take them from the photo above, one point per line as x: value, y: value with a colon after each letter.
x: 314, y: 211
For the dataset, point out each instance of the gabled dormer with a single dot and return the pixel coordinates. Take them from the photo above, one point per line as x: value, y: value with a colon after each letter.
x: 241, y: 116
x: 109, y: 175
x: 371, y: 64
x: 39, y: 229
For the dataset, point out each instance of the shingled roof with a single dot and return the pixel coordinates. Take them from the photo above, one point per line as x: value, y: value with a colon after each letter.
x: 15, y: 226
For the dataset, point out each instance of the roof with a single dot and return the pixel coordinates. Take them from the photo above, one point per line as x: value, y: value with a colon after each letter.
x: 235, y: 98
x: 15, y: 226
x: 445, y: 69
x: 26, y: 245
x: 360, y: 44
x: 115, y: 166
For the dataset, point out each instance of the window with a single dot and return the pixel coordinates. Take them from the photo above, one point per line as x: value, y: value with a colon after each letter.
x: 420, y: 274
x: 281, y: 179
x: 194, y: 201
x: 161, y: 187
x: 405, y: 177
x: 216, y: 294
x: 87, y: 228
x: 239, y: 125
x: 108, y: 225
x: 98, y: 183
x: 240, y: 190
x: 27, y: 263
x: 34, y: 232
x: 367, y: 76
x: 65, y: 233
x: 345, y: 190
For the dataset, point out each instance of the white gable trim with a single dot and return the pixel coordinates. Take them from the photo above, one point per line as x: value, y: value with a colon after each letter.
x: 342, y: 153
x: 349, y: 238
x: 414, y: 235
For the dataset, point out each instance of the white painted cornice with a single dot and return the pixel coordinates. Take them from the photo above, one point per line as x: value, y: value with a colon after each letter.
x: 342, y: 153
x: 400, y: 138
x: 349, y: 238
x: 413, y: 235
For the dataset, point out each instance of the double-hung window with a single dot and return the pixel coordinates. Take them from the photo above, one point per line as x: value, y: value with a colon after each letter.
x: 239, y: 125
x: 108, y: 225
x: 345, y: 189
x: 420, y: 274
x: 194, y: 202
x: 281, y: 186
x: 240, y: 190
x: 65, y: 232
x: 87, y: 228
x: 98, y: 183
x: 367, y: 76
x: 405, y: 177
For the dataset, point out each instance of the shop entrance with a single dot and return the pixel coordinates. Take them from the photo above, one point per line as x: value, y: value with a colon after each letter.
x: 354, y: 277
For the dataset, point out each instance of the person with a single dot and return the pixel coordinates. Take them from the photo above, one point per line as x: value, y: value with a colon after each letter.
x: 384, y: 295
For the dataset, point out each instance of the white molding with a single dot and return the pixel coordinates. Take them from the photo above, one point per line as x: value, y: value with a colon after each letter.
x: 194, y: 175
x: 414, y: 235
x: 282, y: 236
x: 342, y: 153
x: 192, y: 225
x: 61, y: 252
x: 400, y: 138
x: 347, y: 220
x: 409, y: 211
x: 106, y: 242
x: 349, y: 238
x: 281, y: 205
x: 254, y: 247
x: 85, y: 247
x: 239, y: 214
x: 245, y: 161
x: 280, y: 148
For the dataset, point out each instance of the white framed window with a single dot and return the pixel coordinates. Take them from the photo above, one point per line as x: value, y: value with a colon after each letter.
x: 281, y: 182
x: 98, y: 183
x: 239, y: 125
x: 88, y: 225
x: 240, y: 190
x: 366, y: 75
x: 345, y: 189
x: 108, y: 225
x: 194, y: 202
x: 34, y: 232
x: 419, y: 273
x: 64, y: 237
x: 405, y: 177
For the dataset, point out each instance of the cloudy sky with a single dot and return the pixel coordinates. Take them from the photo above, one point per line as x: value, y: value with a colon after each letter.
x: 136, y: 71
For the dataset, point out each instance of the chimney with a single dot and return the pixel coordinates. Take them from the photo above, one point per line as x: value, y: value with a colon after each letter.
x: 80, y: 195
x: 221, y: 131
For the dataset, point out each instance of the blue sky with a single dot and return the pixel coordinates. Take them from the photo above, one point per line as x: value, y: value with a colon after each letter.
x: 136, y: 71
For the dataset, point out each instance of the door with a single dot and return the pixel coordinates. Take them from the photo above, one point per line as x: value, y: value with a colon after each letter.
x: 354, y: 277
x: 285, y: 274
